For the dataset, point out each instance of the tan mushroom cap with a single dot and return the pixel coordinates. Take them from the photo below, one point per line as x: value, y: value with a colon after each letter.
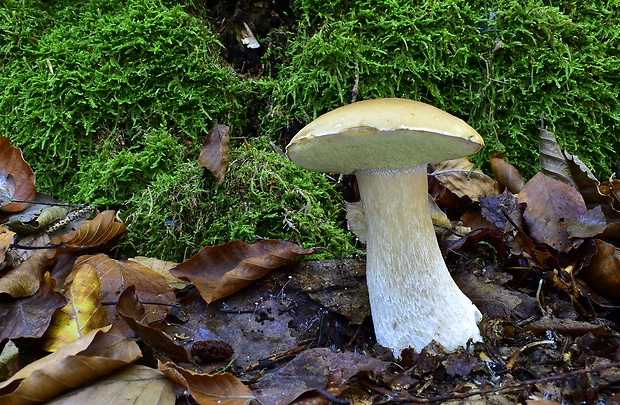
x: 390, y: 133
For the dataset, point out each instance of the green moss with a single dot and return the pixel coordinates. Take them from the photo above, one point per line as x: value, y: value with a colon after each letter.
x: 110, y: 101
x: 108, y: 69
x: 264, y: 195
x: 560, y: 59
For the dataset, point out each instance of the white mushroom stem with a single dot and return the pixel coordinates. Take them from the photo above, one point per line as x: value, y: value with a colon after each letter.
x: 413, y: 297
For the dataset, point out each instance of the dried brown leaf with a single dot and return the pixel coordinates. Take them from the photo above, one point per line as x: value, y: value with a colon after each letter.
x: 162, y: 267
x: 134, y: 384
x: 82, y: 313
x: 132, y: 312
x: 90, y: 234
x: 23, y: 281
x: 99, y: 353
x: 314, y: 369
x: 217, y: 389
x: 506, y: 175
x: 214, y: 152
x: 26, y: 222
x: 13, y: 163
x: 552, y: 160
x: 26, y: 247
x: 30, y: 317
x: 589, y: 224
x: 552, y: 206
x: 461, y: 177
x: 586, y: 182
x: 219, y: 271
x: 117, y: 275
x: 6, y: 240
x: 603, y: 273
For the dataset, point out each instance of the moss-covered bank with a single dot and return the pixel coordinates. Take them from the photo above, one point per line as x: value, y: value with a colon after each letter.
x: 499, y: 65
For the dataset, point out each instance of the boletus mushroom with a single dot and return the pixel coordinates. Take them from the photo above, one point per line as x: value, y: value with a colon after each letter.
x: 388, y: 143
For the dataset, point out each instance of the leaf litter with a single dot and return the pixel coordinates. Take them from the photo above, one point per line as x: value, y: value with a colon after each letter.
x: 249, y: 323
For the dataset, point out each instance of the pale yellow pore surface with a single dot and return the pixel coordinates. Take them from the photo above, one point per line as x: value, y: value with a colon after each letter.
x: 382, y: 133
x: 412, y: 295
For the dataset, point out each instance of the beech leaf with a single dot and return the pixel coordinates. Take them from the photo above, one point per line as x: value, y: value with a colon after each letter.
x: 132, y: 312
x: 99, y: 353
x: 552, y: 160
x: 30, y: 317
x: 552, y: 206
x: 219, y: 271
x: 461, y: 177
x: 13, y: 163
x: 588, y: 224
x: 91, y: 233
x: 23, y: 280
x: 27, y: 221
x: 214, y: 152
x: 117, y: 275
x: 506, y: 175
x: 133, y: 384
x: 314, y: 369
x: 163, y: 268
x: 216, y: 389
x: 603, y: 272
x: 82, y: 313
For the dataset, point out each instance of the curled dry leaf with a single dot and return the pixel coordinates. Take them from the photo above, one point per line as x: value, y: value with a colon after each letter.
x: 23, y: 281
x: 214, y: 152
x: 117, y: 275
x: 97, y: 354
x: 506, y: 175
x: 132, y: 312
x: 219, y: 271
x: 82, y: 313
x: 552, y: 161
x: 26, y: 222
x: 133, y: 384
x: 586, y: 182
x: 91, y: 233
x: 216, y: 389
x: 47, y: 216
x: 461, y: 177
x: 30, y: 317
x: 13, y: 163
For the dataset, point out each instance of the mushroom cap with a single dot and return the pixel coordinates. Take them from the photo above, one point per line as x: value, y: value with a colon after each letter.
x: 389, y: 133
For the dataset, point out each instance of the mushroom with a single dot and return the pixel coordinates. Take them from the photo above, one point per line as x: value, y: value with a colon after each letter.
x: 388, y: 143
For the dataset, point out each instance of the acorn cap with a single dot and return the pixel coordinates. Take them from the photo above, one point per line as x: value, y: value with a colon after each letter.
x: 389, y: 133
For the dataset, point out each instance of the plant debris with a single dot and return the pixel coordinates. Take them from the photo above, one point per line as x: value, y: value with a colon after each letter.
x: 249, y: 324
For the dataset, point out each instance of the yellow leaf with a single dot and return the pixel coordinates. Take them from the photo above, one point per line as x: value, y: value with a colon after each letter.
x: 82, y: 313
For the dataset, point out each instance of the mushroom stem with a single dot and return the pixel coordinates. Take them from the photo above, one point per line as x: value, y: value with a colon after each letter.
x: 412, y: 294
